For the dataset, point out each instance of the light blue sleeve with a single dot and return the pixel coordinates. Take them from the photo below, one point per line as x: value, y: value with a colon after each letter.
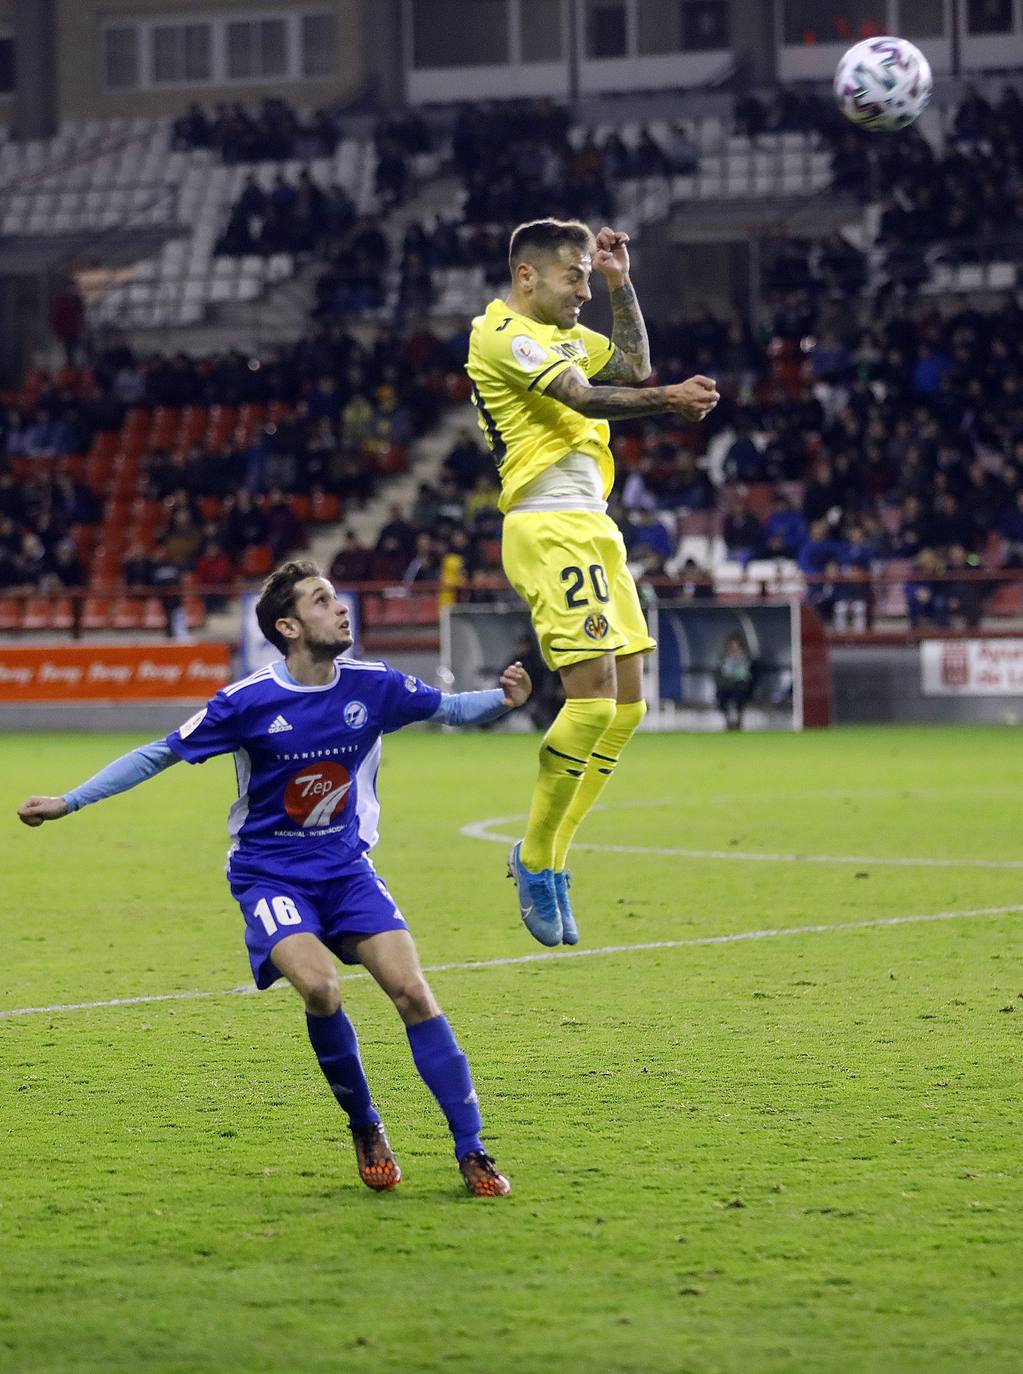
x: 471, y: 708
x: 127, y: 771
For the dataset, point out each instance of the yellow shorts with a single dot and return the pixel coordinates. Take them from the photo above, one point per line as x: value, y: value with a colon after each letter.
x: 570, y: 569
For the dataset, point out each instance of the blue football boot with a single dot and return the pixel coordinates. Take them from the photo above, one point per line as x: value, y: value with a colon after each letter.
x: 538, y: 903
x: 569, y: 929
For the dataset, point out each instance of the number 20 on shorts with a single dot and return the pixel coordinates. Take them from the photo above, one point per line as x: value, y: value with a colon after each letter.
x: 575, y: 596
x: 284, y: 913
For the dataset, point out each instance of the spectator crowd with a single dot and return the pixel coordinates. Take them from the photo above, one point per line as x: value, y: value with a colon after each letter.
x: 846, y: 441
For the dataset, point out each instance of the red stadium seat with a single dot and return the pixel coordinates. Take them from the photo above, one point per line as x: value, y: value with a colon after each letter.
x: 11, y: 609
x: 62, y: 613
x: 195, y: 612
x: 96, y: 613
x: 154, y: 614
x: 137, y: 421
x: 37, y: 613
x: 126, y: 613
x: 425, y: 610
x: 302, y: 508
x: 325, y: 508
x: 257, y: 560
x: 103, y: 445
x: 1007, y: 599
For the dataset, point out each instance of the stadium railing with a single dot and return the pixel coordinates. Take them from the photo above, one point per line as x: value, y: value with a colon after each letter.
x: 961, y: 604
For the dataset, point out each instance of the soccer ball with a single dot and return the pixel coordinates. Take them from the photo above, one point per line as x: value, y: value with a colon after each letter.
x: 883, y: 83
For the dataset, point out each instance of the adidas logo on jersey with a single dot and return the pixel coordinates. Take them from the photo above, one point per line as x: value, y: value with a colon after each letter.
x: 278, y: 725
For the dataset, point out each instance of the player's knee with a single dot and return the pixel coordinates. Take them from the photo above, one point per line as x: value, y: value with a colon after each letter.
x: 321, y: 993
x: 414, y: 1001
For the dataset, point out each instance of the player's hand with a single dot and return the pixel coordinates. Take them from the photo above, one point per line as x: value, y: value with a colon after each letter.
x: 39, y: 809
x: 612, y: 256
x: 515, y: 684
x: 694, y: 398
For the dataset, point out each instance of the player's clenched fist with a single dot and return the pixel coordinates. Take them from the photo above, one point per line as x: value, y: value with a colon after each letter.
x: 694, y: 398
x: 612, y: 254
x: 515, y: 684
x: 39, y: 809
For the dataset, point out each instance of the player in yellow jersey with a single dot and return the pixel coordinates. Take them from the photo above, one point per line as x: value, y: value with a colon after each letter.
x: 531, y: 364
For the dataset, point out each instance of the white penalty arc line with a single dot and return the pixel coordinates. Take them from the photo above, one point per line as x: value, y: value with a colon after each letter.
x: 480, y: 830
x: 561, y: 956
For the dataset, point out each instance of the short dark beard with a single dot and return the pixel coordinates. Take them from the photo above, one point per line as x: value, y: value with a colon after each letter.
x: 320, y: 651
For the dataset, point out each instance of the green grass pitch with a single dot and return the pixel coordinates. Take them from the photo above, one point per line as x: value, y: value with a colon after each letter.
x: 790, y: 1154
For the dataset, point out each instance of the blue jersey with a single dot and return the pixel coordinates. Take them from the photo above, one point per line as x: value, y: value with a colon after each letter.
x: 306, y: 760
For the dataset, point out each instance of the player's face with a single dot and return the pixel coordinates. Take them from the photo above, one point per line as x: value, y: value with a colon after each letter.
x: 322, y: 619
x: 562, y: 287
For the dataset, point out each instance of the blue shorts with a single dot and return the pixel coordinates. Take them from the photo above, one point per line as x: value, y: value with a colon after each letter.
x: 355, y: 903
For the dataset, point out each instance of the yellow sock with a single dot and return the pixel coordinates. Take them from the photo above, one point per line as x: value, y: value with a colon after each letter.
x: 599, y: 768
x: 570, y: 741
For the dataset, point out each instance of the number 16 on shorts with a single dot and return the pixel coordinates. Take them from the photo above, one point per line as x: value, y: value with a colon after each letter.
x: 275, y: 912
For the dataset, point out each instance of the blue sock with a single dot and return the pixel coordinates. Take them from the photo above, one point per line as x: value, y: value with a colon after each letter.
x: 337, y: 1048
x: 445, y: 1071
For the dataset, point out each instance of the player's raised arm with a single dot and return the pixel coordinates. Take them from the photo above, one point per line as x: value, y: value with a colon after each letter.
x: 694, y: 398
x: 480, y: 708
x: 127, y: 771
x: 630, y: 362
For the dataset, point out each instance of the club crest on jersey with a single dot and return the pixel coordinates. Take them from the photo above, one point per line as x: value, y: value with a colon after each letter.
x: 315, y: 794
x: 410, y: 684
x: 529, y: 355
x: 355, y: 715
x: 596, y: 626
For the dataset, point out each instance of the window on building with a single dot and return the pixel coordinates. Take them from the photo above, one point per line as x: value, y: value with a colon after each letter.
x: 833, y: 21
x: 319, y: 45
x: 660, y: 26
x: 256, y: 48
x: 181, y: 54
x: 920, y: 19
x: 705, y: 25
x: 6, y: 64
x: 121, y: 58
x: 989, y: 16
x: 541, y: 22
x: 606, y: 28
x: 460, y: 33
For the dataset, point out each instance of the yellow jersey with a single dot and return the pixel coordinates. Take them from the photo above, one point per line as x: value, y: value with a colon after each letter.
x: 512, y: 361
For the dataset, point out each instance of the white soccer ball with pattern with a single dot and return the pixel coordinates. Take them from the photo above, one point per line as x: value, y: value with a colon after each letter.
x: 883, y: 84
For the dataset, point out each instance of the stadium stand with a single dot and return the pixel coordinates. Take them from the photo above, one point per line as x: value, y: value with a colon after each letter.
x: 874, y: 470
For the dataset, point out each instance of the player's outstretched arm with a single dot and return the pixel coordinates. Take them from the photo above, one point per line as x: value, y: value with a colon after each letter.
x: 38, y: 809
x: 127, y: 771
x: 480, y: 708
x: 630, y: 362
x: 694, y: 398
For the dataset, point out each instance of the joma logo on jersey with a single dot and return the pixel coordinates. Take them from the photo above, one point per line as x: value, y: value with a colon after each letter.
x: 596, y: 626
x: 317, y: 793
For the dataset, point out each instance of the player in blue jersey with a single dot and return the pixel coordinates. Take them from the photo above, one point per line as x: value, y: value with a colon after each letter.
x: 306, y: 735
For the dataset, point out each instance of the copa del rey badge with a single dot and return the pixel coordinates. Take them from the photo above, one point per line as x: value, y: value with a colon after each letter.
x: 529, y: 355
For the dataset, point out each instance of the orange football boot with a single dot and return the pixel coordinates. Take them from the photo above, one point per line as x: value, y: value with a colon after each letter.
x: 378, y: 1167
x: 481, y: 1175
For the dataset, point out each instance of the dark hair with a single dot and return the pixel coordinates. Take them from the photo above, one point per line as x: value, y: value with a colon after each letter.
x: 277, y: 597
x: 543, y: 238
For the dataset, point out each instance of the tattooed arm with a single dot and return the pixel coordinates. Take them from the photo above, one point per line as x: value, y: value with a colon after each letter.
x: 694, y: 398
x: 630, y: 361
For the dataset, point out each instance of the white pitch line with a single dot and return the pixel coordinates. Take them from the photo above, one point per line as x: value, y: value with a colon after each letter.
x: 736, y: 937
x: 480, y: 830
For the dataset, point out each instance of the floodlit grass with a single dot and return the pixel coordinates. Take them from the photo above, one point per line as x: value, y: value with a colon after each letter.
x: 786, y: 1155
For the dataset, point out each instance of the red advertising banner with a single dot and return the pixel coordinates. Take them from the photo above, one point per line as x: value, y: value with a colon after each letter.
x: 112, y: 673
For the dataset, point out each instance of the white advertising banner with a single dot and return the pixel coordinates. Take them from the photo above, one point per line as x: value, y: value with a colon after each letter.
x: 972, y: 667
